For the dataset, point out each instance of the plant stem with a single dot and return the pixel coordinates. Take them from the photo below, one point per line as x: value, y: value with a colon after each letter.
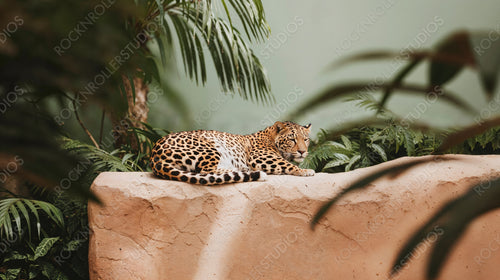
x: 83, y: 126
x: 102, y: 126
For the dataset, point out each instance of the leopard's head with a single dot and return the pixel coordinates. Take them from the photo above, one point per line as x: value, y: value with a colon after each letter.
x: 292, y: 140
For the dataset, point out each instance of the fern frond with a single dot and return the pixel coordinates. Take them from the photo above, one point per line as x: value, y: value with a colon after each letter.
x: 327, y: 152
x: 99, y: 160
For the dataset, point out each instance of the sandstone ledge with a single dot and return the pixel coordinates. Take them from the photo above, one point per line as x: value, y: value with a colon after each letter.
x: 156, y: 229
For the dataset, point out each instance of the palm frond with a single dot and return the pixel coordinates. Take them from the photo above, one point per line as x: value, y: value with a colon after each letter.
x: 198, y: 28
x: 19, y: 210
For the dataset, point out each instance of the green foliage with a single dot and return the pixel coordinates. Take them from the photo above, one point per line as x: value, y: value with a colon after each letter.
x: 236, y: 65
x: 44, y: 247
x: 146, y: 138
x: 20, y: 210
x: 125, y: 158
x: 367, y: 146
x: 97, y: 159
x: 482, y: 144
x: 58, y: 251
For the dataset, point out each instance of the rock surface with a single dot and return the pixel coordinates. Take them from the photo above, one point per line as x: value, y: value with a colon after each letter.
x: 152, y: 229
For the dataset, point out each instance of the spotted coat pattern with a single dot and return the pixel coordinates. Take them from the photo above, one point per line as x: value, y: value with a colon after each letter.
x: 212, y: 157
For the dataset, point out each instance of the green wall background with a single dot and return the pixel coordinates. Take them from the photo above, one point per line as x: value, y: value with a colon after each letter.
x: 307, y: 36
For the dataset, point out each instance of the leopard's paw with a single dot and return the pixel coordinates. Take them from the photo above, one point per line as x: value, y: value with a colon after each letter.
x: 263, y: 176
x: 306, y: 172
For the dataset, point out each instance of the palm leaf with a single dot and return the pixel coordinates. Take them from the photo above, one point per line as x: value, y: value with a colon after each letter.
x: 342, y: 90
x: 460, y: 49
x: 487, y: 59
x: 252, y: 17
x: 9, y: 211
x: 457, y: 44
x: 237, y: 68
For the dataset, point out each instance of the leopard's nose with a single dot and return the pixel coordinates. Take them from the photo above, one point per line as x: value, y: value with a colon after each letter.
x: 301, y: 152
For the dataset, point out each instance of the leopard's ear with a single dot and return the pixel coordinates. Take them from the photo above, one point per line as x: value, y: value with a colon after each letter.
x: 308, y: 126
x: 279, y: 126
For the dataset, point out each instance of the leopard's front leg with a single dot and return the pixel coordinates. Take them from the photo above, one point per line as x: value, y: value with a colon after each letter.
x: 276, y: 164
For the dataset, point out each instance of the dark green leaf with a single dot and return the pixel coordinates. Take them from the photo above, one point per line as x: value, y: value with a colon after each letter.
x: 161, y: 47
x: 12, y: 273
x: 486, y: 48
x: 457, y: 46
x: 44, y: 246
x: 52, y: 273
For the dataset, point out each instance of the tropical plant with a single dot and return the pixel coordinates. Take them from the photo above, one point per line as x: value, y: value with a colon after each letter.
x: 59, y: 246
x: 376, y: 143
x: 19, y: 209
x: 455, y: 52
x: 57, y: 249
x: 367, y: 146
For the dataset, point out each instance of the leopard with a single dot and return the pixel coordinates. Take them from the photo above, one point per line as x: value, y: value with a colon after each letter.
x: 209, y: 157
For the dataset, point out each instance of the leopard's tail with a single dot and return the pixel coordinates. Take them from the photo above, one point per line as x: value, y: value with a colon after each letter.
x: 208, y: 179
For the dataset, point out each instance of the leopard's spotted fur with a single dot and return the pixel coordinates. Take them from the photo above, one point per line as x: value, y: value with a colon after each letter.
x: 212, y: 157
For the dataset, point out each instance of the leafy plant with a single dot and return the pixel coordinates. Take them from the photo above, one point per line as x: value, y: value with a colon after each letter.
x: 486, y: 143
x: 146, y: 138
x: 367, y: 146
x: 20, y: 210
x: 457, y: 51
x: 58, y: 249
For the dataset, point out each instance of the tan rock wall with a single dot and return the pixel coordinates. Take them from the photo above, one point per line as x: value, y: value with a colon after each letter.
x: 156, y: 229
